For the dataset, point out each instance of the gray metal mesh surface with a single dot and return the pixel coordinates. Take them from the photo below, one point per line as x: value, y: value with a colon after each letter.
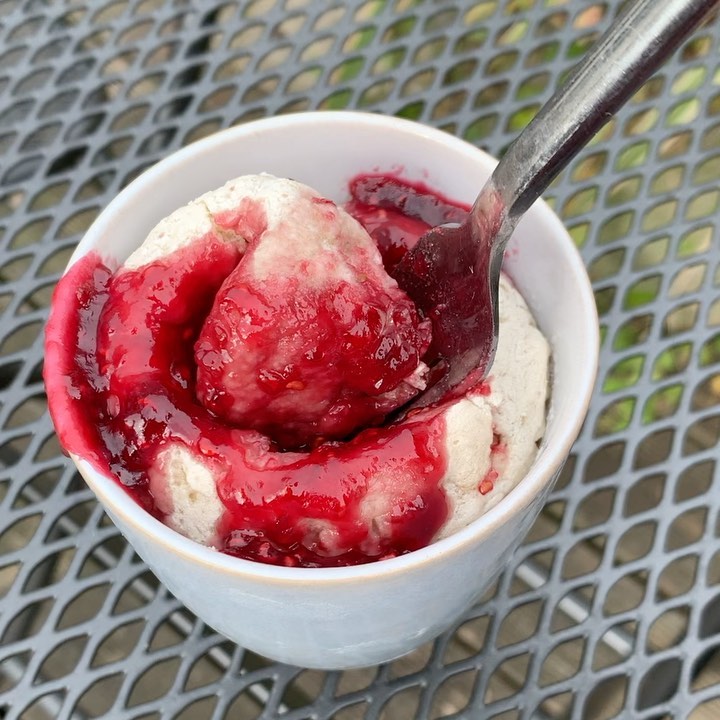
x: 611, y: 607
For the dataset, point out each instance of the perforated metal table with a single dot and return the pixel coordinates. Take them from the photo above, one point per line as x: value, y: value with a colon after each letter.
x: 611, y: 608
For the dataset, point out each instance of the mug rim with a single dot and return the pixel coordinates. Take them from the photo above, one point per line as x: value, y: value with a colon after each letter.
x: 119, y: 503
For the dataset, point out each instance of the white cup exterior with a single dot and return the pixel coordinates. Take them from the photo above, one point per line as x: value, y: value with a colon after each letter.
x: 363, y: 615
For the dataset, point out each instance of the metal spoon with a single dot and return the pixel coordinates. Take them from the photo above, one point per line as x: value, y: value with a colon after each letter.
x: 453, y: 273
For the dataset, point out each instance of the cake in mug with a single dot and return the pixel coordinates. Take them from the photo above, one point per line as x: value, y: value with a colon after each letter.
x: 245, y: 374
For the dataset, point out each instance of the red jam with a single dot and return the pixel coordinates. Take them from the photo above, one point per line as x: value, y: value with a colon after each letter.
x: 311, y: 348
x: 396, y: 214
x: 121, y: 378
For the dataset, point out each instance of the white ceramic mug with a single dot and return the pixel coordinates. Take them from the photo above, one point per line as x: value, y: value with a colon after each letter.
x: 362, y: 615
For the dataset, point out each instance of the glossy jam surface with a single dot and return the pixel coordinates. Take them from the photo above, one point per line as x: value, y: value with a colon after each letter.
x: 396, y: 213
x: 121, y: 380
x: 310, y: 346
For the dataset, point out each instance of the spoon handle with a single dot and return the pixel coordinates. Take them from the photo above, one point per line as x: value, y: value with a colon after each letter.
x: 619, y: 63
